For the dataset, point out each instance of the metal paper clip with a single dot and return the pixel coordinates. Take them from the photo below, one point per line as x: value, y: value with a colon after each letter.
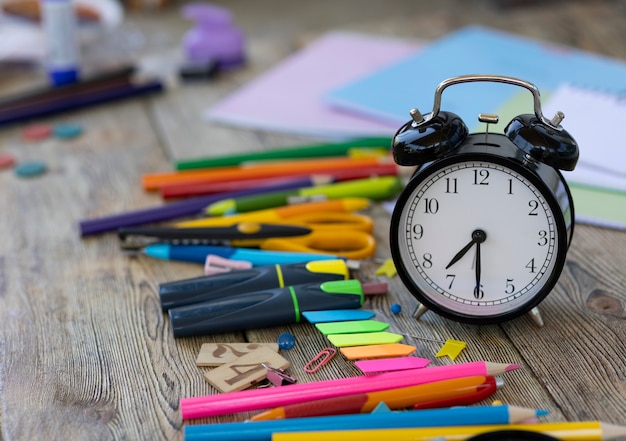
x: 278, y: 377
x: 324, y: 356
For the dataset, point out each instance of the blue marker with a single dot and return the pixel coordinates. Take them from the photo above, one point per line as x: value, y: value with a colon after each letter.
x: 198, y: 254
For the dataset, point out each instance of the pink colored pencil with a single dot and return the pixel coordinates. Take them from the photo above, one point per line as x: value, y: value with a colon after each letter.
x: 258, y: 399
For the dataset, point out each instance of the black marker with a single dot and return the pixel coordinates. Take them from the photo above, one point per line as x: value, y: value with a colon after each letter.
x: 204, y: 288
x: 263, y: 308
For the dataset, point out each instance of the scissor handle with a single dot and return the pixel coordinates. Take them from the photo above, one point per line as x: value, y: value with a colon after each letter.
x: 349, y: 244
x: 334, y: 221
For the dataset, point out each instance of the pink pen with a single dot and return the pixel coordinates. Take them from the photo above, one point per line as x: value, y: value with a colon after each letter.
x: 258, y: 399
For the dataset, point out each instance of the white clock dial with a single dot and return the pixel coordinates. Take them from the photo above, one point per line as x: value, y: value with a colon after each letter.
x: 477, y: 238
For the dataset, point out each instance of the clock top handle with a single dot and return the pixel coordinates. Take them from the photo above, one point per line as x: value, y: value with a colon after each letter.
x: 439, y: 133
x: 554, y: 123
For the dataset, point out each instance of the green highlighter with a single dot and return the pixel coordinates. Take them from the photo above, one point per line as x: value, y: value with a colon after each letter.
x: 375, y: 188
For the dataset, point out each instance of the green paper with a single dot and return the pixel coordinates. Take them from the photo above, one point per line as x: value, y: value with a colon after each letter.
x: 352, y: 327
x: 365, y: 339
x: 599, y: 206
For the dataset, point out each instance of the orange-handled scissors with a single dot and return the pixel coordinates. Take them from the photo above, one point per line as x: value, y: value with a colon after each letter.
x: 345, y: 235
x: 343, y: 243
x: 331, y: 221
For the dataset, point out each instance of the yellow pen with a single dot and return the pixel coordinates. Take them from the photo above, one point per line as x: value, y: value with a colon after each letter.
x: 564, y: 431
x: 282, y: 214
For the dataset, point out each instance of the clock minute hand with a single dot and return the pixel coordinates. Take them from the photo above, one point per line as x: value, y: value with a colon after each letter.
x: 477, y: 288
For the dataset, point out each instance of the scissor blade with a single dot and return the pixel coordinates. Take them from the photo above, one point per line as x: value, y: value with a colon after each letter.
x: 239, y: 231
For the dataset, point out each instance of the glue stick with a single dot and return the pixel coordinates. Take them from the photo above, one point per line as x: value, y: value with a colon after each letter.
x: 59, y: 26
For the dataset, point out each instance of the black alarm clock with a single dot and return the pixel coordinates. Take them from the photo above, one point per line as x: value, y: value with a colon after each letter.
x: 481, y: 231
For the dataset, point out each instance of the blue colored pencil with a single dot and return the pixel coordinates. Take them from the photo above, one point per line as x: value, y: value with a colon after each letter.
x: 454, y: 416
x: 198, y: 254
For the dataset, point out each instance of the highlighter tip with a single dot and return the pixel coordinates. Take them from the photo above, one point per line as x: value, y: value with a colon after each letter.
x: 541, y: 412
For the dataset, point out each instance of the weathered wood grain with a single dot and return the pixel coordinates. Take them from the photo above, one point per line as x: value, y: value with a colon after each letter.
x: 85, y: 351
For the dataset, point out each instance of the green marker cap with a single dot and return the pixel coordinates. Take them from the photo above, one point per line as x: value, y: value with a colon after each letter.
x: 351, y: 287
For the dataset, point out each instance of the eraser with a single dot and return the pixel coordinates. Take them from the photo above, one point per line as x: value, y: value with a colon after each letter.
x: 246, y: 370
x: 217, y: 354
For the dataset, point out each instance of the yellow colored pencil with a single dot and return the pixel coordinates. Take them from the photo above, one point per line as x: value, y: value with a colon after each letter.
x: 564, y: 431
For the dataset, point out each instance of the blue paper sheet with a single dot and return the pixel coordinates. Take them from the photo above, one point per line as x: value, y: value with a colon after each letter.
x: 389, y: 93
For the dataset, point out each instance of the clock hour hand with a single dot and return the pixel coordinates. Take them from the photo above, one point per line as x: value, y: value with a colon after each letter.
x: 461, y: 253
x: 478, y: 236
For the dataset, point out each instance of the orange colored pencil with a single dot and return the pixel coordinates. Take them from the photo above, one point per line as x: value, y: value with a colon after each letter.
x: 156, y: 181
x: 398, y: 398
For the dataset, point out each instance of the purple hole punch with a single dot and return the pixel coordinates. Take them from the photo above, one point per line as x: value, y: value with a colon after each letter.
x: 214, y: 43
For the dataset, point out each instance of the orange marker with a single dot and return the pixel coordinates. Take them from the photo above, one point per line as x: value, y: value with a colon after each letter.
x: 156, y: 181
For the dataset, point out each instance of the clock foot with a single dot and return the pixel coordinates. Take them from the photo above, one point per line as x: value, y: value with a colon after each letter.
x: 419, y: 311
x: 535, y: 315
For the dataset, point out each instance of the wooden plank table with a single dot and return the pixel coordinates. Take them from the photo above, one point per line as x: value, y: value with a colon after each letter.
x: 85, y: 351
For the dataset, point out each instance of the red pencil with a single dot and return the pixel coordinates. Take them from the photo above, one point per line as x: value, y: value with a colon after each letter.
x: 156, y: 181
x: 445, y: 393
x: 188, y: 190
x: 200, y: 189
x: 485, y: 390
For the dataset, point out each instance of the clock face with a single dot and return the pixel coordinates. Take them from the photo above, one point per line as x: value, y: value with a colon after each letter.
x: 477, y: 240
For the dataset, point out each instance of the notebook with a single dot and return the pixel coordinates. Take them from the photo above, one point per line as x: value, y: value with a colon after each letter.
x: 289, y: 97
x: 392, y: 91
x: 598, y: 183
x: 595, y: 119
